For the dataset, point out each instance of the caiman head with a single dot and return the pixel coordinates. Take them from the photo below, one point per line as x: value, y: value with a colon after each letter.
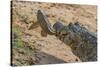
x: 46, y: 25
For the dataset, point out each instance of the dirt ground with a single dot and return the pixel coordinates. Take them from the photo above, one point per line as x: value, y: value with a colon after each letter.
x: 29, y: 47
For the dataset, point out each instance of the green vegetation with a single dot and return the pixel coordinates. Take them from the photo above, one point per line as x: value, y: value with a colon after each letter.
x: 17, y: 31
x: 17, y: 43
x: 16, y: 40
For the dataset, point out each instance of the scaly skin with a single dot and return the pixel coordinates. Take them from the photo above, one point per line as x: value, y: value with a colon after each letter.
x: 44, y: 22
x: 82, y: 42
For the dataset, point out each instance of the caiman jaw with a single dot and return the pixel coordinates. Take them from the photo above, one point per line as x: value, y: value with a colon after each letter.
x: 44, y: 22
